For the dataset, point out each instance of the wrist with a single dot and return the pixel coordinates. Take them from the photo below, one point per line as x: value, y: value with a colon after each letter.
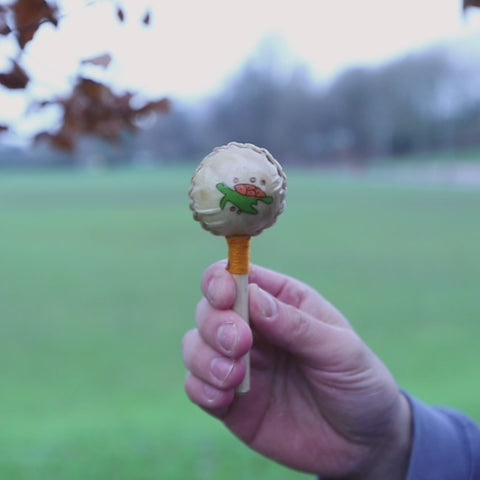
x: 392, y: 456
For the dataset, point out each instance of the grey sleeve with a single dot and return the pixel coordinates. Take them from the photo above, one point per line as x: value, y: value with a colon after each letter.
x: 446, y: 445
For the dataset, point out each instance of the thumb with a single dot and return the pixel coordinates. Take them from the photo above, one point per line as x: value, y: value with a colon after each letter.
x: 298, y: 332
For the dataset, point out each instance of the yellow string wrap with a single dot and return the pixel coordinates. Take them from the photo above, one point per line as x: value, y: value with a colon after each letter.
x: 239, y: 254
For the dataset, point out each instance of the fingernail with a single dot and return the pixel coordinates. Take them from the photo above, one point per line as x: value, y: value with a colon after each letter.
x: 210, y: 392
x: 215, y: 288
x: 227, y: 337
x: 268, y: 306
x: 221, y: 368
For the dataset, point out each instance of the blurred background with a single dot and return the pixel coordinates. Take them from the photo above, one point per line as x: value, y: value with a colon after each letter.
x: 107, y: 107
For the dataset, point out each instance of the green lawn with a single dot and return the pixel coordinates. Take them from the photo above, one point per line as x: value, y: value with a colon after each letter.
x: 99, y: 278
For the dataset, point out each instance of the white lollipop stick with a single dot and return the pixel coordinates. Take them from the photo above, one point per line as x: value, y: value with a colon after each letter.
x: 239, y: 266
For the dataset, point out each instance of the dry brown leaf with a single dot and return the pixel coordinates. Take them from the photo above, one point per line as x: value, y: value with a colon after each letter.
x: 43, y: 103
x: 40, y: 136
x: 4, y: 27
x: 29, y: 15
x: 157, y: 106
x: 470, y: 3
x: 94, y: 109
x: 147, y: 18
x: 120, y: 14
x: 100, y: 60
x: 94, y: 91
x: 63, y: 141
x: 16, y: 79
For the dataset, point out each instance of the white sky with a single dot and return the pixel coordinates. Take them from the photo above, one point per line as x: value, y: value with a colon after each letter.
x: 191, y: 47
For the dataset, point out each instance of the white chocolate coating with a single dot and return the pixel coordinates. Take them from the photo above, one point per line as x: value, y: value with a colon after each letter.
x: 238, y: 189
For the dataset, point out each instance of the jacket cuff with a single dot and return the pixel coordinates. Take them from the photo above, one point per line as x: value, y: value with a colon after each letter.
x: 446, y: 444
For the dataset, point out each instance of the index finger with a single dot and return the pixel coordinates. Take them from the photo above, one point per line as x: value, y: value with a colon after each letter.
x: 218, y: 286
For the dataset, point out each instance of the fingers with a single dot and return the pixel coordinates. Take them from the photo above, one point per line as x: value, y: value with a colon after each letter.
x: 210, y: 365
x: 212, y: 378
x: 316, y: 342
x: 218, y: 286
x: 215, y: 400
x: 285, y: 312
x: 219, y: 289
x: 293, y: 292
x: 213, y: 353
x: 302, y: 312
x: 223, y: 330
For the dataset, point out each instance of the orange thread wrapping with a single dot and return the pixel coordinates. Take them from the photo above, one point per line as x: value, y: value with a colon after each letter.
x: 239, y: 254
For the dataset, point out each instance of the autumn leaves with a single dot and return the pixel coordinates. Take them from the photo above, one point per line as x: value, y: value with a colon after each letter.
x: 91, y: 108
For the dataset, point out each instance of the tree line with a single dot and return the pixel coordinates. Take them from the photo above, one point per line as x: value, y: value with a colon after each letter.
x: 423, y: 102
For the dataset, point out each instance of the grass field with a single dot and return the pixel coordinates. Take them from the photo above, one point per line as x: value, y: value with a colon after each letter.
x: 99, y: 278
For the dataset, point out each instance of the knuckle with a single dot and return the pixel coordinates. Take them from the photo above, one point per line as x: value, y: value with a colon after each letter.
x: 298, y: 326
x: 295, y: 294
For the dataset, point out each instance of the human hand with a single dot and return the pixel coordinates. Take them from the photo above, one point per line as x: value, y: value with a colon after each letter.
x: 320, y: 400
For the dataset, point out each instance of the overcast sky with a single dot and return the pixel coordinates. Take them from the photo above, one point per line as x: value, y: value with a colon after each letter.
x: 192, y: 47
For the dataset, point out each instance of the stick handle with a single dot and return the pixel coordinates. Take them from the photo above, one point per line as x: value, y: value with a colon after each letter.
x: 241, y: 307
x: 239, y: 266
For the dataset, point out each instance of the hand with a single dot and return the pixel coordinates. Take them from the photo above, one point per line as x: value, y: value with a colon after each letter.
x: 320, y: 400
